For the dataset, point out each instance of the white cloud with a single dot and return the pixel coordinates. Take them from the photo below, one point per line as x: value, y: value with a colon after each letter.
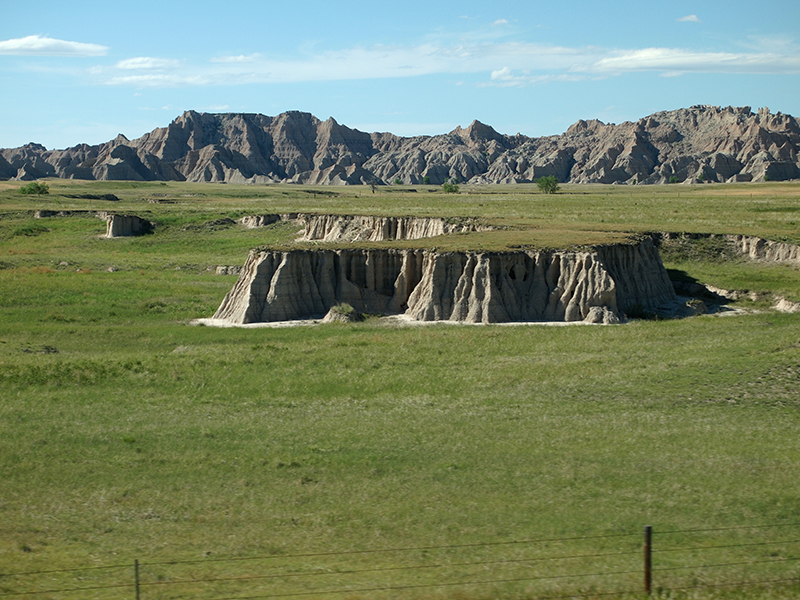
x: 505, y: 63
x: 37, y: 45
x: 237, y: 59
x: 500, y: 22
x: 501, y: 74
x: 689, y: 19
x: 148, y: 63
x: 675, y: 60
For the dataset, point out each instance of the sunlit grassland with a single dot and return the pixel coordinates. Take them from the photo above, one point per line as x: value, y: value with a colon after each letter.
x: 127, y: 434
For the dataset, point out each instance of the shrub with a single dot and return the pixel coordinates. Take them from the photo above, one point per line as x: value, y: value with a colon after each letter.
x: 449, y: 187
x: 426, y: 180
x: 343, y: 309
x: 397, y: 181
x: 30, y: 229
x: 674, y: 179
x: 548, y: 184
x: 34, y: 187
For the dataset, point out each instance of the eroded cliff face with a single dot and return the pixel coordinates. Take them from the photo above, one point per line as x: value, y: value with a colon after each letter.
x: 472, y: 287
x: 338, y: 228
x: 298, y: 284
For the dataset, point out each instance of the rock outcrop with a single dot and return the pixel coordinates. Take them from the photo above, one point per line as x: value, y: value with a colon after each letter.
x: 751, y: 247
x: 757, y: 248
x: 358, y: 228
x: 341, y: 228
x: 473, y: 287
x: 126, y: 226
x: 701, y: 143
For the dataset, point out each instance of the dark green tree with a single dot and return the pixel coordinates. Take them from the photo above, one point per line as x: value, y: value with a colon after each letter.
x: 548, y: 184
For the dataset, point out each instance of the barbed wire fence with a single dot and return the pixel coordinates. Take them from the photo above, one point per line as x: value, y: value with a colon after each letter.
x: 617, y: 564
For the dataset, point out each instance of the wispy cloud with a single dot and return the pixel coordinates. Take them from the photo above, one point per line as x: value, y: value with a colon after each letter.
x: 504, y: 63
x: 237, y: 59
x: 689, y: 19
x: 148, y: 63
x: 675, y: 60
x: 500, y: 22
x: 37, y: 45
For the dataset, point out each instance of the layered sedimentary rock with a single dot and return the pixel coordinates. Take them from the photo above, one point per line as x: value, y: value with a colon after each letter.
x: 473, y: 287
x: 705, y: 143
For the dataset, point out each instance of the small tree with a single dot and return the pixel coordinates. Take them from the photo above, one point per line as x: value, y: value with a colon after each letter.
x: 450, y: 187
x: 426, y: 180
x: 548, y: 184
x: 674, y: 179
x: 34, y: 187
x: 397, y: 181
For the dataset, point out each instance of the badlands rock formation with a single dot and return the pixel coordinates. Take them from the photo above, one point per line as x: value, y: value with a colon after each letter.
x: 701, y: 142
x: 339, y: 228
x: 757, y: 248
x: 470, y: 287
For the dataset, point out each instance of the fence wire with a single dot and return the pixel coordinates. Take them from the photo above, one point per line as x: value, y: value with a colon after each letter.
x: 706, y: 550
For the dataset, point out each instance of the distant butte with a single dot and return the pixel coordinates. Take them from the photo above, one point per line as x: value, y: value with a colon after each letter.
x: 701, y: 143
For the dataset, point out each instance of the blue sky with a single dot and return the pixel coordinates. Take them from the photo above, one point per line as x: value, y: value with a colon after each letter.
x: 86, y: 71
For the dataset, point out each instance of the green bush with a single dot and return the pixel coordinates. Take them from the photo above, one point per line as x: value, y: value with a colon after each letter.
x: 674, y: 179
x: 449, y: 187
x: 34, y: 187
x: 397, y: 181
x: 426, y: 180
x: 548, y: 184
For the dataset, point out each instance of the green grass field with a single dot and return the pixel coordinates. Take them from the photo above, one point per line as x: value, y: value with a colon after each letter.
x: 126, y: 434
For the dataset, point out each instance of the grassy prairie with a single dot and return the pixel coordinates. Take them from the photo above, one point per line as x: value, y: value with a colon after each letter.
x: 127, y: 434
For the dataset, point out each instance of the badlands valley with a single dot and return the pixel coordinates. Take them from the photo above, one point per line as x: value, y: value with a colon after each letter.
x: 445, y: 461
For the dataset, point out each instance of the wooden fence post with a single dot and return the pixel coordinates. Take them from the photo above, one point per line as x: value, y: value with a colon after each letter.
x: 648, y: 559
x: 136, y: 576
